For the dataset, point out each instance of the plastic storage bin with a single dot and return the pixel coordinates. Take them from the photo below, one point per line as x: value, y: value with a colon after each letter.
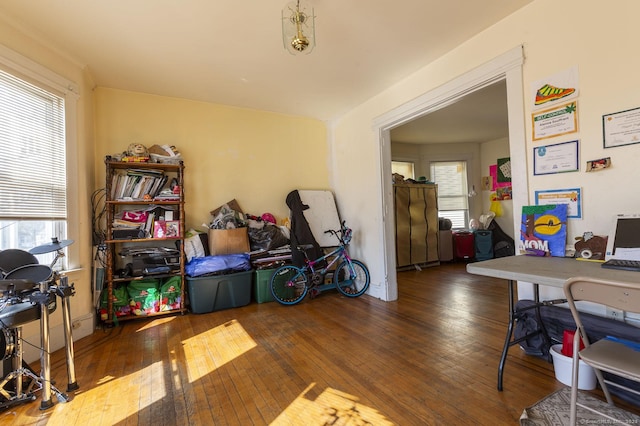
x: 562, y: 366
x: 262, y: 284
x: 484, y: 244
x: 214, y: 293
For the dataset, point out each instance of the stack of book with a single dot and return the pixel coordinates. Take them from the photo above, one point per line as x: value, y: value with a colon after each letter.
x: 137, y: 183
x: 167, y: 195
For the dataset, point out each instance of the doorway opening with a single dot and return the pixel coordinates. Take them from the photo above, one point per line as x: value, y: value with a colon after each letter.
x: 507, y: 68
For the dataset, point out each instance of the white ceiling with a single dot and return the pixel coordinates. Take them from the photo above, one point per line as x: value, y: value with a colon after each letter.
x: 478, y: 117
x: 231, y: 52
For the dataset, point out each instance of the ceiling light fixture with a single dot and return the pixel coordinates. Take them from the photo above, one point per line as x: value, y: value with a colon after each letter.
x: 298, y: 27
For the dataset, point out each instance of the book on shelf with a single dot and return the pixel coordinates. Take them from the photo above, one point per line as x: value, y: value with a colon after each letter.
x: 158, y: 185
x: 149, y: 225
x: 122, y: 223
x: 136, y: 183
x: 167, y: 195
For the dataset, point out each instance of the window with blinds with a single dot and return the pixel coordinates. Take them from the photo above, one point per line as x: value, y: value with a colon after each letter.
x: 453, y: 200
x: 33, y: 199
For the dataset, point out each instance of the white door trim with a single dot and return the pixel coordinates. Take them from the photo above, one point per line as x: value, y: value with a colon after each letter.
x: 507, y: 67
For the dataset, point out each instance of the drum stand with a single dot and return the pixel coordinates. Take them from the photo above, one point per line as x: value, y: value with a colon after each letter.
x: 64, y: 291
x: 20, y: 370
x: 44, y: 297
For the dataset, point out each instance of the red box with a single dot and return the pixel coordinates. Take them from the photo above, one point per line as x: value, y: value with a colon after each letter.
x: 463, y: 245
x: 567, y: 342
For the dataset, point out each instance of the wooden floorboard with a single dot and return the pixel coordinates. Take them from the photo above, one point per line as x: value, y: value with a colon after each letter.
x: 429, y: 358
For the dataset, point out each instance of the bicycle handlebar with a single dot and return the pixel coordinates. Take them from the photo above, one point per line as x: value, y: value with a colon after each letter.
x: 340, y: 234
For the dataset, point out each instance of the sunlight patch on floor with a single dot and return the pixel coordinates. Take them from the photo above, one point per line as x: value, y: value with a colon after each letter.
x: 223, y: 344
x: 155, y: 323
x: 125, y: 407
x: 331, y: 407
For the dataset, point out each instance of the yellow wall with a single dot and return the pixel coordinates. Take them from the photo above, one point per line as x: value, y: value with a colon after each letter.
x: 253, y: 156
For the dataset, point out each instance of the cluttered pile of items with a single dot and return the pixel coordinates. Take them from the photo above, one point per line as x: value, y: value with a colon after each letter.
x: 139, y: 153
x: 238, y: 249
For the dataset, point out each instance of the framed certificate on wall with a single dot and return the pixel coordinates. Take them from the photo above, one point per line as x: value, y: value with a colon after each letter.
x: 557, y: 158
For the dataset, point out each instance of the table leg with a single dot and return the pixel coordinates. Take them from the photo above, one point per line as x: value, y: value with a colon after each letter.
x: 507, y: 341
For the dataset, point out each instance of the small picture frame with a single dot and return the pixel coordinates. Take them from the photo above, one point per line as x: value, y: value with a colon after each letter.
x: 159, y: 229
x: 166, y: 229
x: 172, y: 228
x: 599, y: 164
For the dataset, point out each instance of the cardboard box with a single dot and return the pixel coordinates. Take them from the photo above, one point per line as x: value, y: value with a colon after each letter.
x: 228, y: 241
x: 233, y: 205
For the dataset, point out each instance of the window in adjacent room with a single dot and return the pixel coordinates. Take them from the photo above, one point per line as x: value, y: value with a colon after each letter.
x: 33, y: 199
x: 404, y: 168
x: 453, y: 201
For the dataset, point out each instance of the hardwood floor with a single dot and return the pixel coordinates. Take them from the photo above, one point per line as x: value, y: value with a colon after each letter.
x: 429, y: 358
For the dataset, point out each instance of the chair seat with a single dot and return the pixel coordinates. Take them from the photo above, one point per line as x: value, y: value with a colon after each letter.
x: 614, y: 357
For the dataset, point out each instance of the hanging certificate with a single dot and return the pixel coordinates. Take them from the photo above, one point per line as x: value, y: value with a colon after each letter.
x: 621, y: 128
x: 570, y: 196
x: 558, y: 158
x: 556, y: 121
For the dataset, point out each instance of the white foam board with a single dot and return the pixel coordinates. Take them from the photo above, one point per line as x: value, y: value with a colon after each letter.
x: 322, y: 215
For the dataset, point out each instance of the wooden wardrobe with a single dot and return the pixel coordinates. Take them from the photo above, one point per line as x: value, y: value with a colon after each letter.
x: 416, y: 213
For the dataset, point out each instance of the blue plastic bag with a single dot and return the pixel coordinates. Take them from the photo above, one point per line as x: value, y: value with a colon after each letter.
x: 207, y: 265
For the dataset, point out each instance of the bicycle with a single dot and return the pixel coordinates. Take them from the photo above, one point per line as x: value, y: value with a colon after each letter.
x: 290, y: 284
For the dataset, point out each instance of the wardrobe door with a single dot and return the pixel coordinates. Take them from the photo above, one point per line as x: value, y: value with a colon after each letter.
x: 403, y: 224
x: 418, y: 218
x: 431, y: 215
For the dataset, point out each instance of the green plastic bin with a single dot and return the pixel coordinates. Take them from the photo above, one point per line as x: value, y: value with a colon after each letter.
x: 214, y: 293
x: 262, y: 285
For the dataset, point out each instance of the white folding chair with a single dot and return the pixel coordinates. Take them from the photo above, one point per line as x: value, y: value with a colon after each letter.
x: 610, y: 355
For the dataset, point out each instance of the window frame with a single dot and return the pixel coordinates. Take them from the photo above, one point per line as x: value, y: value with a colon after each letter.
x: 34, y: 73
x: 412, y: 162
x: 467, y: 211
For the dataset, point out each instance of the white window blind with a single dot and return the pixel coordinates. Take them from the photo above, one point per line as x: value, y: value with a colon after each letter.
x: 32, y: 162
x: 453, y: 202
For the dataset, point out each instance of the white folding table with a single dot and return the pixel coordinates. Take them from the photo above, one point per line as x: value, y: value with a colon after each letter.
x: 549, y: 271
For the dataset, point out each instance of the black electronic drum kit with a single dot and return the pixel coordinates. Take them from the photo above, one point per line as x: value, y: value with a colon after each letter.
x: 28, y: 293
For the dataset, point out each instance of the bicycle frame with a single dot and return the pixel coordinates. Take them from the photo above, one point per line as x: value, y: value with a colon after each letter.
x: 339, y: 253
x: 350, y: 276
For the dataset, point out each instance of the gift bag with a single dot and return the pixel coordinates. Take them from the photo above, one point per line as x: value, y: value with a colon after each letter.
x: 170, y: 294
x: 144, y: 296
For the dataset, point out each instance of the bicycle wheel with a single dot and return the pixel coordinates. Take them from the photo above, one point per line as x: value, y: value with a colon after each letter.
x: 288, y: 285
x: 352, y: 285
